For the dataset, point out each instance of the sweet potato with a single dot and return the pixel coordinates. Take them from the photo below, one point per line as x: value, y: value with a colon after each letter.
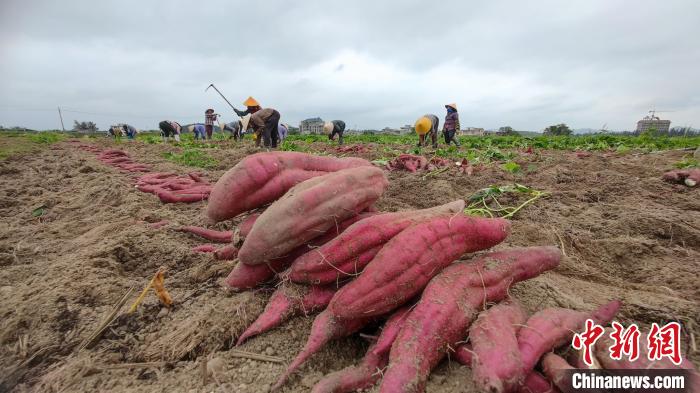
x: 554, y: 327
x: 309, y: 209
x: 554, y: 367
x: 226, y: 253
x: 365, y: 374
x: 325, y: 328
x: 496, y: 362
x: 204, y: 248
x: 354, y: 378
x: 245, y: 276
x: 172, y: 197
x: 262, y: 178
x: 448, y: 305
x: 537, y: 383
x: 287, y: 301
x: 348, y: 254
x: 410, y: 259
x: 209, y: 234
x: 246, y: 225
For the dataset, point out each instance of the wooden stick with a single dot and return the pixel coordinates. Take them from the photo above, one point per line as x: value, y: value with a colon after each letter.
x: 255, y: 356
x: 106, y: 322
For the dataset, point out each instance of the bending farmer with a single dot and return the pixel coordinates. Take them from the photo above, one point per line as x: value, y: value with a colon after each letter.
x: 265, y: 122
x: 428, y: 124
x: 252, y: 106
x: 335, y: 127
x: 168, y: 128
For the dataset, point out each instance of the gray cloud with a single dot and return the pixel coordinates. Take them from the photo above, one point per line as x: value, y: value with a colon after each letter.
x: 371, y: 63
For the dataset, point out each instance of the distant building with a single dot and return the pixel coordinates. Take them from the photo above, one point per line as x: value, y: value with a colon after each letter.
x: 313, y: 125
x: 405, y: 130
x: 473, y: 131
x: 651, y: 121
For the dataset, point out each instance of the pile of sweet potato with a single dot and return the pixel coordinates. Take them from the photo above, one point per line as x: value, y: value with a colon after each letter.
x: 170, y: 187
x: 332, y: 253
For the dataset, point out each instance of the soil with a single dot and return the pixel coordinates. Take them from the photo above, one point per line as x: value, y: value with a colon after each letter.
x: 626, y: 235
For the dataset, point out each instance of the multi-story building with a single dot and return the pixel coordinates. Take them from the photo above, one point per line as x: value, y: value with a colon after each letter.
x: 313, y: 125
x: 473, y: 131
x: 649, y: 122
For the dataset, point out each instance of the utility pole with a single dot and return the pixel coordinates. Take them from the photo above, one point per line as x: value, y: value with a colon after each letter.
x: 61, y: 116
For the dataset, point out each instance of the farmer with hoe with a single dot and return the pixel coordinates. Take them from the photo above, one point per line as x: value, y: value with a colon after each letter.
x: 209, y: 119
x: 168, y: 128
x: 252, y: 106
x: 451, y: 126
x: 334, y: 127
x: 428, y: 124
x: 265, y: 122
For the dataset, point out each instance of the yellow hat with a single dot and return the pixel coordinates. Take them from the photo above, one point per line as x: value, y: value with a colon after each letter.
x: 453, y: 106
x: 251, y: 102
x: 423, y: 125
x: 327, y: 127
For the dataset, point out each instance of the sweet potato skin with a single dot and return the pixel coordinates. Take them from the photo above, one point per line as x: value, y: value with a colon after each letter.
x: 262, y: 178
x: 448, y: 305
x: 209, y: 234
x: 347, y: 255
x: 365, y: 374
x: 287, y: 301
x: 408, y: 261
x: 496, y: 362
x: 309, y: 209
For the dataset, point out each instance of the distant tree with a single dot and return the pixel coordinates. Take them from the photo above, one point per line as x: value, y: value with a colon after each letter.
x: 557, y: 129
x: 682, y: 131
x: 84, y: 126
x: 507, y: 130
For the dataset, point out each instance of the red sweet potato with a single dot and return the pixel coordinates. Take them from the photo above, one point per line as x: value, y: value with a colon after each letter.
x: 354, y: 378
x: 171, y: 197
x: 289, y: 300
x: 554, y: 367
x: 536, y: 383
x: 351, y: 251
x: 262, y: 178
x: 496, y: 362
x: 448, y: 305
x: 325, y: 328
x: 366, y: 374
x: 245, y: 276
x: 204, y: 248
x: 226, y: 253
x: 554, y: 327
x: 247, y: 224
x: 159, y: 224
x: 209, y: 234
x: 406, y: 263
x: 309, y: 209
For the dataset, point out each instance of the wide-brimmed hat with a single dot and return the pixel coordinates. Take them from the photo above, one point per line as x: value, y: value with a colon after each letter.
x: 251, y: 102
x: 452, y: 105
x: 209, y: 111
x: 328, y: 127
x: 423, y: 125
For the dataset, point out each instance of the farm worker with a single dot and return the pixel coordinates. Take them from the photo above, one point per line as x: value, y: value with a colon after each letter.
x: 334, y: 127
x: 282, y: 131
x: 237, y: 127
x: 116, y: 131
x: 168, y: 128
x: 130, y: 131
x: 198, y: 130
x: 451, y: 126
x: 428, y: 124
x: 209, y: 119
x: 265, y: 122
x: 252, y: 106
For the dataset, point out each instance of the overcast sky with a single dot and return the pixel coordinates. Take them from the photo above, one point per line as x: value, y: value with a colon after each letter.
x: 527, y: 64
